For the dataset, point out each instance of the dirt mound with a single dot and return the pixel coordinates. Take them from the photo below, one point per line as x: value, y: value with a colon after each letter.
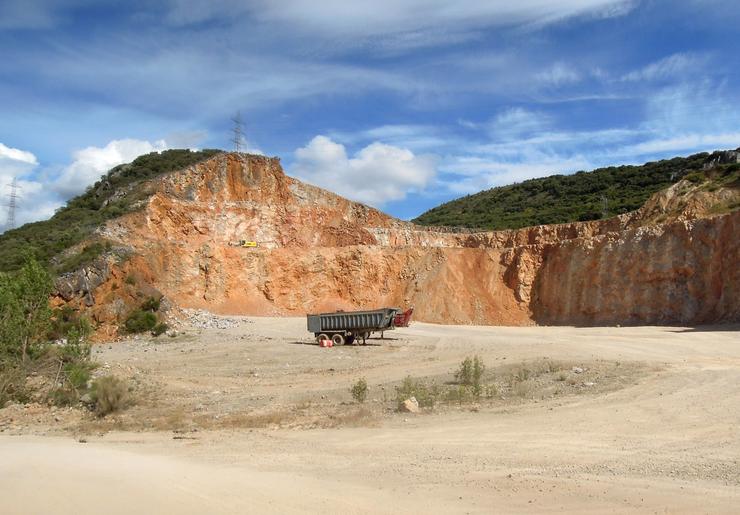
x: 317, y: 251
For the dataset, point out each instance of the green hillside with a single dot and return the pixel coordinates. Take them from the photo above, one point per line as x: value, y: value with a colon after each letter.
x: 564, y: 198
x: 114, y: 194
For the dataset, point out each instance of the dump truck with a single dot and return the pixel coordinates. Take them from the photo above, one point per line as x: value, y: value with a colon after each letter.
x: 350, y: 326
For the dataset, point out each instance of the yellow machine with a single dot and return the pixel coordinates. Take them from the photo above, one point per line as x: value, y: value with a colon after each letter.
x: 247, y: 244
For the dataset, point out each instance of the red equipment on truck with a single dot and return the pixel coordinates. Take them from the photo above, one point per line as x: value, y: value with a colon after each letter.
x: 403, y: 319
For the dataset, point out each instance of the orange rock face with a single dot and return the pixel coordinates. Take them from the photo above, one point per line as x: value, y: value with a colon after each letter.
x: 318, y: 252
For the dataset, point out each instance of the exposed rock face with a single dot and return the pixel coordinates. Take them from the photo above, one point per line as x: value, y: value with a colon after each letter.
x: 317, y: 251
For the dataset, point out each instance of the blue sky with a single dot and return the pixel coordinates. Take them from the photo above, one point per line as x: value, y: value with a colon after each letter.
x: 399, y: 104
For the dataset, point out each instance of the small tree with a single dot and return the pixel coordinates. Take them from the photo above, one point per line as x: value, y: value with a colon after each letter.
x: 24, y: 309
x: 470, y: 373
x: 359, y: 390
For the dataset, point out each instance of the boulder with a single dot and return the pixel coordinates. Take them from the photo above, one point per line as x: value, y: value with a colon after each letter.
x: 410, y: 405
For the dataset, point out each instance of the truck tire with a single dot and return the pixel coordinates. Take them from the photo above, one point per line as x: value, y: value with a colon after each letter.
x: 322, y: 336
x: 338, y: 339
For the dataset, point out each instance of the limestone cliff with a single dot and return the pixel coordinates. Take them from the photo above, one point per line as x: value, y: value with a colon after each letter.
x: 318, y: 251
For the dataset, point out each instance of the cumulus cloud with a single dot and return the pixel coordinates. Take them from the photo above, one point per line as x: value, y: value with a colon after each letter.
x: 91, y: 162
x: 376, y: 174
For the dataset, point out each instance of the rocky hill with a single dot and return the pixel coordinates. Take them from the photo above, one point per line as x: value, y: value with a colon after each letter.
x: 318, y: 251
x: 581, y: 196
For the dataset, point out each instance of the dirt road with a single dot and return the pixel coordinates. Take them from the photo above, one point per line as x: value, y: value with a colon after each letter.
x: 249, y: 419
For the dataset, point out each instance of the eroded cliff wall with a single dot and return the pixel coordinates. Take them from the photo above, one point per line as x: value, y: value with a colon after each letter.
x: 318, y: 251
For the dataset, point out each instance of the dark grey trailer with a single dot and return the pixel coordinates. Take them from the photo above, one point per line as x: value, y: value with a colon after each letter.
x: 349, y: 326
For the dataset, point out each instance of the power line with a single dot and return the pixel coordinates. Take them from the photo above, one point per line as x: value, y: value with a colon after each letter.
x: 238, y: 131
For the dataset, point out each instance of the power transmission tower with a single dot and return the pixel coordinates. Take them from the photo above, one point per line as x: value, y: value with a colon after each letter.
x: 238, y: 130
x: 12, y: 204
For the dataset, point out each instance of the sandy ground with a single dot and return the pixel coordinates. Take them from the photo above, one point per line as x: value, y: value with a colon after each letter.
x: 257, y: 419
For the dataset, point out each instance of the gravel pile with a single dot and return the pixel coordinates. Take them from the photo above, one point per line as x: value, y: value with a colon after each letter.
x: 205, y: 320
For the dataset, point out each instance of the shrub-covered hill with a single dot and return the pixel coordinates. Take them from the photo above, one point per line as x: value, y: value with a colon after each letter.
x: 116, y: 193
x: 604, y: 192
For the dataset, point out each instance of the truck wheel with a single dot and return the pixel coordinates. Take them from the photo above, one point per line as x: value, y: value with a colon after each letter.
x: 322, y: 337
x: 337, y: 339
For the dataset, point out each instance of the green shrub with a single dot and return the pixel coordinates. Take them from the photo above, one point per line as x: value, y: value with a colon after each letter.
x: 88, y: 254
x: 66, y: 319
x: 140, y: 321
x: 160, y: 329
x: 470, y: 374
x: 109, y: 394
x: 12, y: 383
x: 359, y: 390
x: 78, y: 374
x: 130, y: 280
x: 151, y: 304
x: 426, y: 395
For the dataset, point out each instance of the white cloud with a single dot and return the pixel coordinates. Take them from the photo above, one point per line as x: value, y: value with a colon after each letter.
x: 91, y: 162
x: 390, y: 24
x: 377, y: 174
x: 671, y: 66
x: 16, y: 155
x: 476, y: 173
x: 391, y: 16
x: 558, y: 74
x: 518, y: 122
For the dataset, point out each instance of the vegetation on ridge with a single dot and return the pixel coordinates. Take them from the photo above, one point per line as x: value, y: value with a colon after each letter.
x: 567, y: 198
x: 115, y: 194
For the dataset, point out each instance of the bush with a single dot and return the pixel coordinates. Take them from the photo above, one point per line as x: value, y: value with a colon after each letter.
x: 160, y: 329
x: 151, y: 304
x: 140, y: 321
x: 470, y: 373
x: 359, y: 390
x: 65, y: 320
x: 12, y: 383
x: 109, y: 394
x: 425, y: 395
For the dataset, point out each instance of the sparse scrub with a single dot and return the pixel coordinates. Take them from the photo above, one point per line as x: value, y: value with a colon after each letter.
x: 470, y: 374
x: 426, y: 395
x: 109, y: 394
x: 459, y: 394
x: 491, y: 391
x: 359, y: 390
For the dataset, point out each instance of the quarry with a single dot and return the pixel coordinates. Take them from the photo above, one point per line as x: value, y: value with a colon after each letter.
x: 316, y: 251
x: 606, y: 355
